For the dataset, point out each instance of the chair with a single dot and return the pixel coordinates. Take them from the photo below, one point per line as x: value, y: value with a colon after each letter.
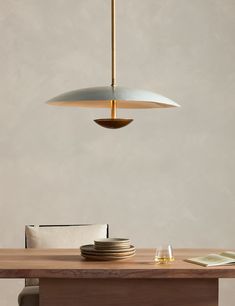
x: 56, y: 236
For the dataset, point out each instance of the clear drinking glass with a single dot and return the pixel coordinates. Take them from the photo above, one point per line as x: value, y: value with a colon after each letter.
x: 164, y: 254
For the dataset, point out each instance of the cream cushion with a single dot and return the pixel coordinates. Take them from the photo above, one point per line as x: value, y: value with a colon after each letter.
x: 63, y: 237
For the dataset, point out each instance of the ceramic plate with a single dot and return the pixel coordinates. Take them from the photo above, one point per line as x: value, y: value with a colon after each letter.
x: 105, y: 258
x: 112, y: 247
x: 108, y: 254
x: 92, y: 248
x: 112, y: 242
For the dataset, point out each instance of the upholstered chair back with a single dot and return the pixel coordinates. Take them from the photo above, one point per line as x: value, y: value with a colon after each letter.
x: 62, y: 236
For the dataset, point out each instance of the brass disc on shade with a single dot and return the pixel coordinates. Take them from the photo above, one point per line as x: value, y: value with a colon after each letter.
x: 115, y: 123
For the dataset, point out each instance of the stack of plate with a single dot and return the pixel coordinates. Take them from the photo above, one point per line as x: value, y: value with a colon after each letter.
x: 108, y: 249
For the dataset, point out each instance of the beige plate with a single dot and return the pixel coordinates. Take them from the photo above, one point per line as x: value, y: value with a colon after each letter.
x: 105, y: 240
x: 108, y: 254
x: 92, y: 248
x: 112, y: 247
x: 112, y: 241
x: 105, y: 258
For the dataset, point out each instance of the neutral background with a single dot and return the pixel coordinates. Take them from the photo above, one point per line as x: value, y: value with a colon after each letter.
x: 170, y: 175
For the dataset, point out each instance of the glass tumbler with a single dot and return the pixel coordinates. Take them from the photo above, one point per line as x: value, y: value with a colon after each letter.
x: 164, y: 254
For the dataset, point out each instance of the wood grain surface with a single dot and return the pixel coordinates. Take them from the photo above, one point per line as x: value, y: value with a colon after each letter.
x: 58, y: 263
x: 128, y: 292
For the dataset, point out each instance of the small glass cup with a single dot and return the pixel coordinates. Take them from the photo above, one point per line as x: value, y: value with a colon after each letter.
x: 164, y: 254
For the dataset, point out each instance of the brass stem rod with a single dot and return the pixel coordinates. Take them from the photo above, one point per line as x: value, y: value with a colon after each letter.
x: 113, y: 109
x: 113, y: 42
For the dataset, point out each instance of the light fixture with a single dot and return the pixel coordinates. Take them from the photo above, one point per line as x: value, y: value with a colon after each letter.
x: 113, y: 96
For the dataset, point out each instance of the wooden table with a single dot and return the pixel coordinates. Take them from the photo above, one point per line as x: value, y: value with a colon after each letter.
x: 67, y: 280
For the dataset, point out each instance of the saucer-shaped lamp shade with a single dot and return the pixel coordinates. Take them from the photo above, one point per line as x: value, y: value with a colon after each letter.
x: 101, y: 97
x: 112, y: 97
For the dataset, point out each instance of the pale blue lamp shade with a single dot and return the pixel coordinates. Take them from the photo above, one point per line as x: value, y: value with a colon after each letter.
x: 100, y: 97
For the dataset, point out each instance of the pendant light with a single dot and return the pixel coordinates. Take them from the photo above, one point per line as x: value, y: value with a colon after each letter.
x: 112, y: 97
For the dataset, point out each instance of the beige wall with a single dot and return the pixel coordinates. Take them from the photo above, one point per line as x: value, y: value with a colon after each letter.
x: 170, y: 175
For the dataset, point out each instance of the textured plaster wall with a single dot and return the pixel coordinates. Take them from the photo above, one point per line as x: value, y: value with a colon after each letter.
x: 170, y: 175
